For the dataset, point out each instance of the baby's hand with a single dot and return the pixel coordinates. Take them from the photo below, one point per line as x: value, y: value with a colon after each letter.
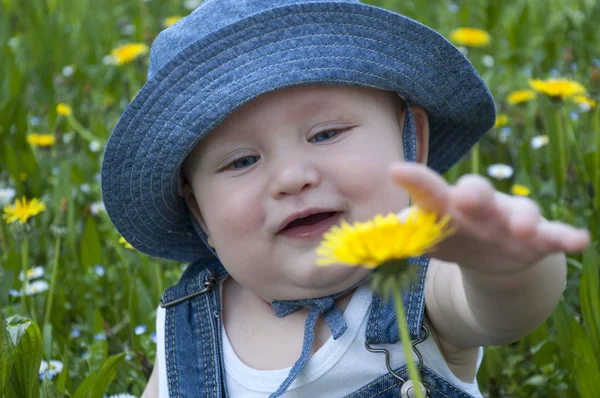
x: 495, y: 233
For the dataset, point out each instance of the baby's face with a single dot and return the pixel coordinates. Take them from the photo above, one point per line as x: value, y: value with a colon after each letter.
x: 284, y: 168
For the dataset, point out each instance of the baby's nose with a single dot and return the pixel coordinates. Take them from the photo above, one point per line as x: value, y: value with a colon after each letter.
x: 293, y: 178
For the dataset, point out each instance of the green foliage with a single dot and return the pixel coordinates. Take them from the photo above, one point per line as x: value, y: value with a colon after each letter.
x: 54, y: 51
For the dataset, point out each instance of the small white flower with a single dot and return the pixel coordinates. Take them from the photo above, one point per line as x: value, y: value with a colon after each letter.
x: 574, y: 116
x: 85, y: 188
x: 100, y: 336
x: 32, y: 273
x: 585, y: 106
x: 192, y: 4
x: 51, y: 368
x: 453, y: 8
x: 487, y: 61
x: 68, y: 71
x: 75, y: 333
x: 95, y: 146
x: 505, y: 132
x: 140, y: 329
x: 109, y: 60
x: 539, y: 141
x: 14, y: 293
x: 500, y: 171
x: 6, y: 196
x: 122, y: 396
x: 34, y: 120
x: 66, y: 138
x: 97, y: 207
x: 128, y: 30
x: 99, y: 270
x: 36, y: 287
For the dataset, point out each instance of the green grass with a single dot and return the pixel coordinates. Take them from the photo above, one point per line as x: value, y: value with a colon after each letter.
x: 53, y: 51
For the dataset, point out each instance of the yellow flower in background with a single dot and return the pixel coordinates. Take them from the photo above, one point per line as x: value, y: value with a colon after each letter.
x: 585, y: 103
x: 128, y: 52
x: 383, y: 238
x: 557, y: 88
x: 520, y: 97
x: 520, y: 190
x: 64, y: 109
x: 22, y: 210
x: 470, y: 37
x: 171, y: 20
x: 501, y: 120
x: 125, y: 243
x: 43, y: 140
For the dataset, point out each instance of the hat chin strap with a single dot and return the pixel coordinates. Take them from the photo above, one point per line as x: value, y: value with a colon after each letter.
x: 323, y: 305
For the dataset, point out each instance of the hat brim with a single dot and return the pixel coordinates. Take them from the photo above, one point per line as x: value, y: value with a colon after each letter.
x: 317, y: 43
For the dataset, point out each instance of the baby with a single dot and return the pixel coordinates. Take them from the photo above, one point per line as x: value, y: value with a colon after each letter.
x: 262, y: 125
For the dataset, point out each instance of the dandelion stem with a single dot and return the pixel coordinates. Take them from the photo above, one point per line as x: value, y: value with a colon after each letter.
x: 596, y: 127
x: 52, y: 282
x: 406, y: 342
x: 557, y: 145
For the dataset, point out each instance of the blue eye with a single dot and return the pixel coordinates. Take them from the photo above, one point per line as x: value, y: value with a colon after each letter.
x: 324, y: 135
x: 243, y: 162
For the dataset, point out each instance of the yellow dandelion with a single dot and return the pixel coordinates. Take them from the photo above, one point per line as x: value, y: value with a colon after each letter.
x: 520, y: 190
x: 501, y: 120
x: 470, y: 37
x: 128, y: 52
x: 171, y: 20
x: 585, y: 103
x: 125, y: 243
x: 22, y: 210
x: 557, y: 88
x: 372, y: 243
x: 520, y: 96
x: 42, y: 140
x: 64, y: 109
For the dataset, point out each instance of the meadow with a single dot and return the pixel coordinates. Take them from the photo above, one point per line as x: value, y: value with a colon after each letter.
x: 78, y: 303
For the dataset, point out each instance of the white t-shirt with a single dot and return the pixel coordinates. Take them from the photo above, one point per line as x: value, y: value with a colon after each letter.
x: 339, y: 367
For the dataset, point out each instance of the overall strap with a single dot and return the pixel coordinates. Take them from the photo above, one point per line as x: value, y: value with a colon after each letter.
x: 382, y: 327
x: 193, y: 349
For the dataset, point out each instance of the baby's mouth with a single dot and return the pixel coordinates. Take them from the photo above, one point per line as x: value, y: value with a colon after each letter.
x: 311, y: 226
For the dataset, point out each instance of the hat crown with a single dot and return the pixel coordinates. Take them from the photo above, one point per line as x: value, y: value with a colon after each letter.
x: 209, y: 17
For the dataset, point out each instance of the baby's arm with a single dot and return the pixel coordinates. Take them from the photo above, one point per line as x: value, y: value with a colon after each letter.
x: 502, y: 272
x: 151, y: 390
x: 470, y: 308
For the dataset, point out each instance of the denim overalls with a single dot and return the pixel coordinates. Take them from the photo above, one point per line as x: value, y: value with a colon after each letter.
x: 194, y: 352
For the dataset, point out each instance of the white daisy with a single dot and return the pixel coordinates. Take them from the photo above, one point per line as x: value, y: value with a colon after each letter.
x: 51, y: 368
x: 95, y: 146
x: 97, y: 207
x: 6, y: 196
x: 539, y: 141
x: 487, y: 61
x: 140, y: 329
x: 32, y: 273
x: 500, y: 171
x: 36, y: 287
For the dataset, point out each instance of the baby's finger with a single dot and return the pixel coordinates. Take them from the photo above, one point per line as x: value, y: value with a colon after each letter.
x: 475, y: 197
x: 524, y: 217
x: 428, y: 190
x: 554, y: 236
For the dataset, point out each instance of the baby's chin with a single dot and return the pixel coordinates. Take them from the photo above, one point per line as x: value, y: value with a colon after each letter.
x: 319, y: 281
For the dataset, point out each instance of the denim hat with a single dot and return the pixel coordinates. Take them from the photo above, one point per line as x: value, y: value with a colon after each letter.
x: 228, y: 52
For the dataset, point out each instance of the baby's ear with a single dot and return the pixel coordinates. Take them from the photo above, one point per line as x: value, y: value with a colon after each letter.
x: 186, y: 191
